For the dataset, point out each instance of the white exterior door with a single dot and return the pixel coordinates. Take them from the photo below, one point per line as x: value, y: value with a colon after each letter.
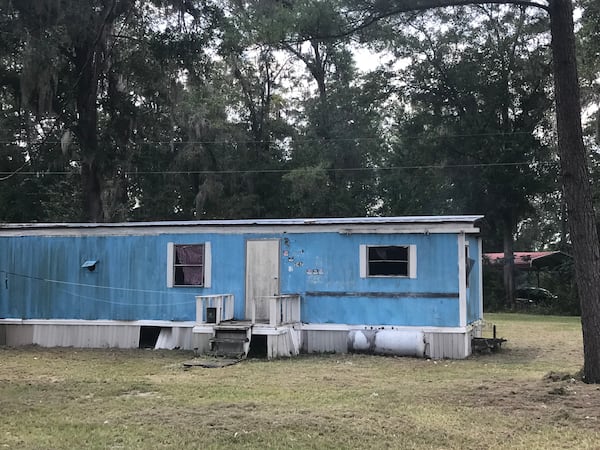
x: 262, y: 275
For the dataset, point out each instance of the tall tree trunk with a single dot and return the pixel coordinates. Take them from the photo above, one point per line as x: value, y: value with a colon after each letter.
x: 576, y: 183
x: 89, y: 59
x: 509, y: 262
x: 86, y: 59
x: 92, y: 198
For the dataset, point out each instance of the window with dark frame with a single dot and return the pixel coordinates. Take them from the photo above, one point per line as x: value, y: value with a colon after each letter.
x: 188, y: 265
x: 390, y: 261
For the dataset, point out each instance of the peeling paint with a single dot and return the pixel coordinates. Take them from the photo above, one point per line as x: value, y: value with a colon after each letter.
x: 314, y: 271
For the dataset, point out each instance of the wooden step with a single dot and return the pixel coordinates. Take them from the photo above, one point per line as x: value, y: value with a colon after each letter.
x: 231, y: 340
x: 232, y: 328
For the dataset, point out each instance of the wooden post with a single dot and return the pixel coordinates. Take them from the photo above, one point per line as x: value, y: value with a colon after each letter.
x: 273, y: 311
x: 219, y: 309
x: 298, y: 313
x: 199, y: 309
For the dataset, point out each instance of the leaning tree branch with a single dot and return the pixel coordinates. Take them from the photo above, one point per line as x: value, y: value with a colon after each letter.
x: 384, y: 9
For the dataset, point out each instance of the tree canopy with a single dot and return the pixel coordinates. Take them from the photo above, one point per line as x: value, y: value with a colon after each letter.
x: 118, y: 110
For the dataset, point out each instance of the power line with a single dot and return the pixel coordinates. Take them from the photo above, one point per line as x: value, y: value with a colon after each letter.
x: 299, y: 141
x: 110, y: 288
x: 49, y: 280
x: 112, y: 302
x: 263, y: 171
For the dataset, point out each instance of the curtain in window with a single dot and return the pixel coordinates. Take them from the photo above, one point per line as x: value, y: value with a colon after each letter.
x: 189, y: 260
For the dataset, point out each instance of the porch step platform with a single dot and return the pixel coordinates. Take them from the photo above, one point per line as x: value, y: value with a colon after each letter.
x: 231, y: 341
x: 233, y: 325
x: 228, y: 339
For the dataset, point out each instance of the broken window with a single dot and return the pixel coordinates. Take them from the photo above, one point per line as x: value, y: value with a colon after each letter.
x: 388, y: 261
x: 188, y: 265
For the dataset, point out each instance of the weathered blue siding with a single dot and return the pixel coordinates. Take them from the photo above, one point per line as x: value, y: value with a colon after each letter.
x: 316, y: 265
x: 44, y: 278
x: 406, y: 311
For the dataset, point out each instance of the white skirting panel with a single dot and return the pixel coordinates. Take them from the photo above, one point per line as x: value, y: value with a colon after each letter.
x: 322, y: 341
x: 281, y: 342
x: 448, y: 345
x: 288, y: 343
x: 86, y: 336
x: 101, y: 334
x: 438, y: 345
x: 174, y: 337
x: 82, y: 336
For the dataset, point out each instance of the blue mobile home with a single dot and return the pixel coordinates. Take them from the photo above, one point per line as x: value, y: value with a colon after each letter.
x: 397, y: 285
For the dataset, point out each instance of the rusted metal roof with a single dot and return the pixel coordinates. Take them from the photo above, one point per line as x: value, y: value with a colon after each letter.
x: 529, y: 260
x: 463, y: 219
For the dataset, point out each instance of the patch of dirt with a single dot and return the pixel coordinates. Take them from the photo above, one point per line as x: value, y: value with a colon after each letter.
x: 210, y: 363
x: 141, y: 394
x: 554, y: 398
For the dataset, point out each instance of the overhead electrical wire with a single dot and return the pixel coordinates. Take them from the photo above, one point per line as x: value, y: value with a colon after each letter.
x: 93, y: 286
x: 112, y: 302
x: 298, y: 141
x: 263, y: 171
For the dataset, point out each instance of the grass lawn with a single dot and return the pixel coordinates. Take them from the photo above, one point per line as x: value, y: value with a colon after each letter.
x: 108, y: 399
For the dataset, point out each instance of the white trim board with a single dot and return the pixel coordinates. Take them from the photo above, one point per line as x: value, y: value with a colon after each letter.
x: 462, y: 280
x: 259, y: 330
x: 170, y: 263
x: 142, y: 323
x: 345, y: 327
x: 480, y: 275
x: 207, y: 265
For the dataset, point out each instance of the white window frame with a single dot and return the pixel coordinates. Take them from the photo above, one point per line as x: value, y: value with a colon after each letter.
x: 171, y: 266
x: 364, y: 261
